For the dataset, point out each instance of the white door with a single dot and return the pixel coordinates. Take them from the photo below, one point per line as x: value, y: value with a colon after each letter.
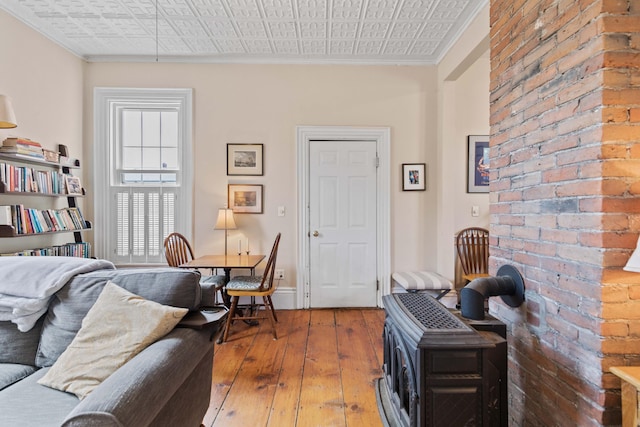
x: 342, y: 224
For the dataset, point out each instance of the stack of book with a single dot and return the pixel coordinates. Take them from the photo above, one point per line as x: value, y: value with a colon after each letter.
x: 32, y: 221
x: 80, y: 250
x: 29, y: 180
x: 22, y: 147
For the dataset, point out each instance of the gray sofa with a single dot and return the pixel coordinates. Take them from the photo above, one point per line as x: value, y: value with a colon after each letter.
x: 167, y: 384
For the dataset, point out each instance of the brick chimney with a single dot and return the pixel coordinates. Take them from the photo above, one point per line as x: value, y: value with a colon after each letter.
x: 565, y: 205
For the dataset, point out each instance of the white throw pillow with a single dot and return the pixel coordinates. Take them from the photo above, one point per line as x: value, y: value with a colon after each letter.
x: 118, y: 326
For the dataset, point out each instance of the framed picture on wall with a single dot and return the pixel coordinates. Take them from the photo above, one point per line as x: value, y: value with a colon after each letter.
x: 245, y: 198
x: 244, y: 159
x: 414, y: 177
x: 478, y: 164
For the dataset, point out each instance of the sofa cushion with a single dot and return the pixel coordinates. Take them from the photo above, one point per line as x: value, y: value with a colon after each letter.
x: 167, y: 286
x: 19, y: 347
x: 118, y: 326
x: 12, y: 372
x: 26, y: 404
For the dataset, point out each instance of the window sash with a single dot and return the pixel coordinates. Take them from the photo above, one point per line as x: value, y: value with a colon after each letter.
x: 161, y: 206
x: 157, y: 132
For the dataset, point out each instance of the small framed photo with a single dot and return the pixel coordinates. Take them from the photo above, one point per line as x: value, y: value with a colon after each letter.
x: 244, y: 159
x: 51, y: 156
x: 414, y: 177
x: 245, y: 198
x: 478, y: 164
x: 74, y: 188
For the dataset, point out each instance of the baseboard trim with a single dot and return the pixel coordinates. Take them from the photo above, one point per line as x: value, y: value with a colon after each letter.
x: 285, y: 299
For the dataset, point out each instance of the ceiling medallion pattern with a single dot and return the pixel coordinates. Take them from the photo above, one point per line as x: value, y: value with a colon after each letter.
x: 290, y: 31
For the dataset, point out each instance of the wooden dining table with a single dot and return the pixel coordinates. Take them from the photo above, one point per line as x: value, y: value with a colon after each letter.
x: 227, y: 263
x: 630, y: 388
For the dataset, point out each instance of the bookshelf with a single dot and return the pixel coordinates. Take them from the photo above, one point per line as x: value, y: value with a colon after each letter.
x: 25, y: 177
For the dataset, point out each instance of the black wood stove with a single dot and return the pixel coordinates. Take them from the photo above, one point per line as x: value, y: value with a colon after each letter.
x: 441, y: 369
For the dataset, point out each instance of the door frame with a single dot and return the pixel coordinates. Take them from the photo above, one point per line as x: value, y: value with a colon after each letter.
x: 382, y: 137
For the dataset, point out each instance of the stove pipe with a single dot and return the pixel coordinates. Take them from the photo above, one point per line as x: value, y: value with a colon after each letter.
x: 508, y: 285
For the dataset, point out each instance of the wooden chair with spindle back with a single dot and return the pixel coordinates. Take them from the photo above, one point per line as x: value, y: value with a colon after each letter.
x: 472, y: 245
x: 178, y: 251
x: 254, y: 286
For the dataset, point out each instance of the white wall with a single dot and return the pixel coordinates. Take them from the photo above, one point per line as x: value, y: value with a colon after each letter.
x: 463, y: 109
x: 264, y: 104
x: 472, y: 118
x: 45, y: 83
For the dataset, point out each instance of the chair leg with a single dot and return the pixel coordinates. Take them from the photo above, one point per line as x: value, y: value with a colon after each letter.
x: 273, y: 310
x: 215, y: 296
x: 219, y: 290
x: 230, y: 315
x: 272, y: 317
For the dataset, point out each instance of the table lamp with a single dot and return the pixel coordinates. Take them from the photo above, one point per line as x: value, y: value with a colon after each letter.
x: 7, y: 116
x: 225, y: 222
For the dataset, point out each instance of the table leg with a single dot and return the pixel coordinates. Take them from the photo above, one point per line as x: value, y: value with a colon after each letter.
x: 225, y: 296
x: 226, y: 299
x: 629, y: 404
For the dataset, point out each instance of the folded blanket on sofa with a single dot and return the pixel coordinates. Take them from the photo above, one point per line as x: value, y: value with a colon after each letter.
x: 27, y: 284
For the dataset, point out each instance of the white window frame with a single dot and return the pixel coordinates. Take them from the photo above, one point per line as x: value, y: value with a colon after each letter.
x: 104, y: 101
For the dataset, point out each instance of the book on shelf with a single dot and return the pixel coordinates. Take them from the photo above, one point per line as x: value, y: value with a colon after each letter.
x: 26, y: 179
x: 50, y: 217
x: 22, y: 219
x: 42, y: 222
x: 59, y: 221
x: 34, y: 221
x: 76, y: 218
x: 30, y: 222
x: 22, y: 152
x: 6, y: 217
x: 17, y: 141
x: 66, y: 220
x: 80, y: 249
x: 22, y: 147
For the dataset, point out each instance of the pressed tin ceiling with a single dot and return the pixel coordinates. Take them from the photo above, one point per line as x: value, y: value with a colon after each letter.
x: 252, y: 31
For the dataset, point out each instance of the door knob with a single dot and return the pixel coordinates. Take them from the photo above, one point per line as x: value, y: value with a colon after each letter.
x: 316, y: 234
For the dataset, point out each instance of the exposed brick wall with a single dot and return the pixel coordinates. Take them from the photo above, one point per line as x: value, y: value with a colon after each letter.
x: 565, y: 206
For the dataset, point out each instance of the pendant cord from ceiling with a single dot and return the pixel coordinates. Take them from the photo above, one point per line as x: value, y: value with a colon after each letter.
x: 156, y: 30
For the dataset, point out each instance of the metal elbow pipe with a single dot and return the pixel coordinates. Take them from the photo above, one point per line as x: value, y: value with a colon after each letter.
x: 472, y: 299
x: 508, y: 284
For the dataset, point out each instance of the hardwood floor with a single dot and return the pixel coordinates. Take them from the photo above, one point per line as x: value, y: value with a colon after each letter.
x: 319, y: 372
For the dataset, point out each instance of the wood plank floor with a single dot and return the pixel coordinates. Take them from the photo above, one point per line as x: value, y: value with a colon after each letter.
x: 319, y: 372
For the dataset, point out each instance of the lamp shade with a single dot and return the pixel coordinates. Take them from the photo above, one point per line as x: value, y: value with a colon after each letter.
x: 7, y: 117
x: 634, y: 262
x: 225, y: 220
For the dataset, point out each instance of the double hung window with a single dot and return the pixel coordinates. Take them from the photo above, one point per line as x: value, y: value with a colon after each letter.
x: 143, y: 150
